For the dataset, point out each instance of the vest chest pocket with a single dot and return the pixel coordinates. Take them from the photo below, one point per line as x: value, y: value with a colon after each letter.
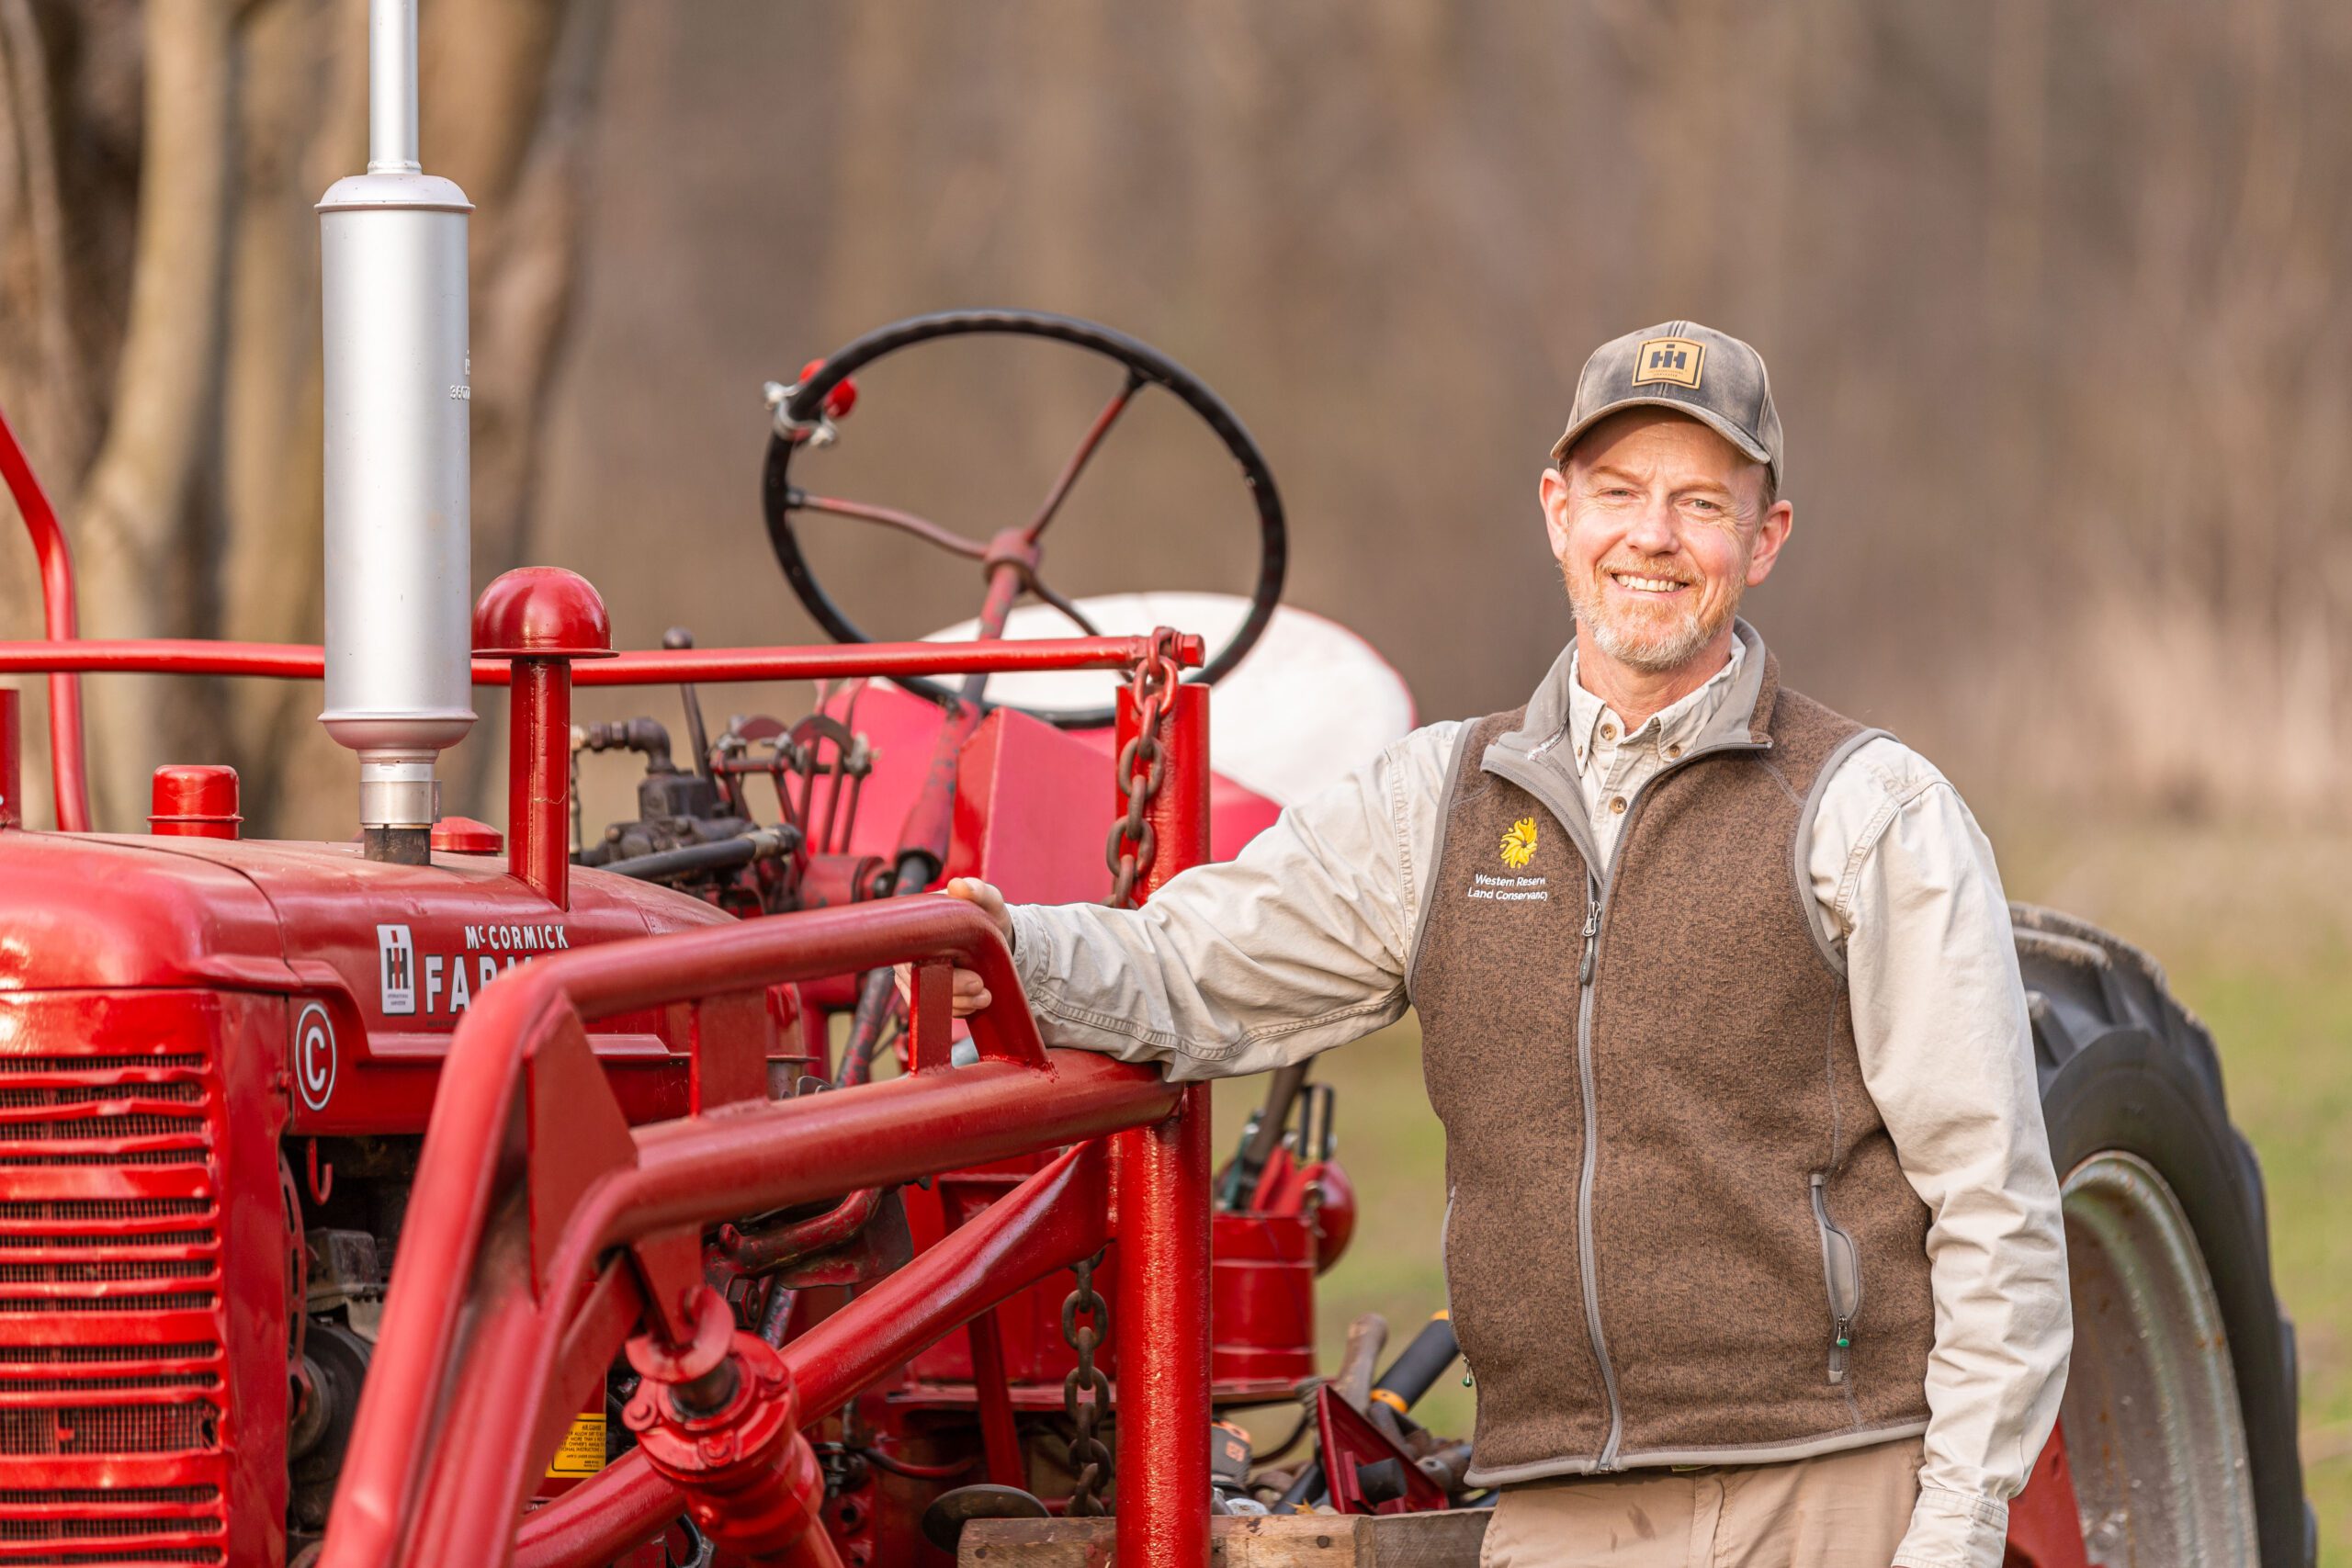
x: 1841, y: 1274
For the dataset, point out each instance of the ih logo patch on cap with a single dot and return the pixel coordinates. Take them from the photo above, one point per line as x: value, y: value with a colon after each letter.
x: 1675, y: 359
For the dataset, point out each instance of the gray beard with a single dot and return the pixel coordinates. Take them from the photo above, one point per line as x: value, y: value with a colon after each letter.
x: 1653, y: 652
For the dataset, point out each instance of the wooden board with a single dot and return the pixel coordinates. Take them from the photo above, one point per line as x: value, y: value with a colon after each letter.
x: 1272, y: 1540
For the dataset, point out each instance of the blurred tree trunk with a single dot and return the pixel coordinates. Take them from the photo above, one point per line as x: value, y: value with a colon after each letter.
x: 194, y: 503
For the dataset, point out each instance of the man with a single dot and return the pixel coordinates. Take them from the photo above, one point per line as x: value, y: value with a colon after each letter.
x: 1753, y: 1242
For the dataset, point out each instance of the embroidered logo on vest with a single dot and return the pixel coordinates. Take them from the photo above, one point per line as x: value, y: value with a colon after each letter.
x: 1519, y: 844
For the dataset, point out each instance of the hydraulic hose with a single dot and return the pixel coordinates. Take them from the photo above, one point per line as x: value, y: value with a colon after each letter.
x: 700, y: 859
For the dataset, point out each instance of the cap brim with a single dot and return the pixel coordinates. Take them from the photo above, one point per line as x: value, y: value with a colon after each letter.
x: 1747, y: 444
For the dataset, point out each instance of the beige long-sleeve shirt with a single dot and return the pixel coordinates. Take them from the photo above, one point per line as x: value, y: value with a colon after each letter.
x: 1302, y: 943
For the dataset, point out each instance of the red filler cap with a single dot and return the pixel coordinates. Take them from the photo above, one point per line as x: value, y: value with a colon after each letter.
x: 841, y: 398
x: 464, y: 836
x: 542, y: 612
x: 194, y: 800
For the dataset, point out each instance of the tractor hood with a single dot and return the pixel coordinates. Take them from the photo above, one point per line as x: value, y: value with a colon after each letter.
x: 410, y: 944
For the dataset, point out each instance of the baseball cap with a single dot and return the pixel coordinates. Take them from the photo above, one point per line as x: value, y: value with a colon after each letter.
x: 1712, y: 376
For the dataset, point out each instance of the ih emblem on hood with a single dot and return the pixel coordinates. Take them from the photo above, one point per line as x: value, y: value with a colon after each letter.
x: 1519, y: 844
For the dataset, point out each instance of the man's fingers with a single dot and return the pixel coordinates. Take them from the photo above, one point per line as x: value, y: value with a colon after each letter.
x: 991, y: 902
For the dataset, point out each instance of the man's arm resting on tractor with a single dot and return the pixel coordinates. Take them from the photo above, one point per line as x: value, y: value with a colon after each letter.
x: 1939, y: 1023
x: 1297, y: 945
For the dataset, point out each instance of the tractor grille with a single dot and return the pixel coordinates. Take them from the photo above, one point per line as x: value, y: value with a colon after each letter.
x: 112, y: 1368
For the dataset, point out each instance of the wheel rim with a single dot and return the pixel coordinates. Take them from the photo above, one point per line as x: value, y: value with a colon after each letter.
x: 2153, y: 1434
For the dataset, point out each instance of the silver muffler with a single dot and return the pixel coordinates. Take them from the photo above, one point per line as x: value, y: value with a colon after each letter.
x: 399, y: 546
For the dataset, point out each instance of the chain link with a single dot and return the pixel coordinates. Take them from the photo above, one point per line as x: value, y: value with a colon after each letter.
x: 1129, y: 851
x: 1086, y: 1392
x: 1143, y: 766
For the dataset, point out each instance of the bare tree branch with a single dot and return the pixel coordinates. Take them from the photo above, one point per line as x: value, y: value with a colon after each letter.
x: 132, y: 518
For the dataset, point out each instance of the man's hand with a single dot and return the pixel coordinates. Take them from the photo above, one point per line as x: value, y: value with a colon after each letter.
x: 969, y: 993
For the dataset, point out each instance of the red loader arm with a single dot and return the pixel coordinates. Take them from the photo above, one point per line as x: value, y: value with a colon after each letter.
x: 542, y: 1230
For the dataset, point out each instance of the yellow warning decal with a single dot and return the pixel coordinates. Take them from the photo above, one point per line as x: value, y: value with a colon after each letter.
x: 582, y: 1452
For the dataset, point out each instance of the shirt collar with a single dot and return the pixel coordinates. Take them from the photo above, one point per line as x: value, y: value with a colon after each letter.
x: 1673, y: 728
x: 1544, y: 724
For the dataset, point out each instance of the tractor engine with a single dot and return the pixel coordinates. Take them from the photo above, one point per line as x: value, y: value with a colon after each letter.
x: 217, y: 1059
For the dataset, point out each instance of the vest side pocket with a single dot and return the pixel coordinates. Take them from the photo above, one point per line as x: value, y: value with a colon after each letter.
x: 1841, y: 1275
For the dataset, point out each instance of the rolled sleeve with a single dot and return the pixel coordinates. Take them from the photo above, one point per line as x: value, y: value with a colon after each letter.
x: 1940, y: 1026
x: 1297, y: 944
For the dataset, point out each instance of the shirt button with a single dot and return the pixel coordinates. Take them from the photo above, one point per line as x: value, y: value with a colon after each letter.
x: 1617, y: 804
x: 1672, y: 752
x: 1609, y: 732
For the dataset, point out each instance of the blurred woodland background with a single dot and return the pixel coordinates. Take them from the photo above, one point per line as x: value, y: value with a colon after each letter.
x: 2052, y: 291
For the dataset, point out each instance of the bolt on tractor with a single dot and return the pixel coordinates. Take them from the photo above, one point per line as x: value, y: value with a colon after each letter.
x: 468, y: 1195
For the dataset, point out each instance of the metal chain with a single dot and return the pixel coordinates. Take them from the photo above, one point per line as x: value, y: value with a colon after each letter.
x: 1132, y: 846
x: 1143, y: 765
x: 1086, y: 1392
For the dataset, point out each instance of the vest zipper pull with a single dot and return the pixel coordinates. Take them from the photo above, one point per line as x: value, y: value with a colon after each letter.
x: 1592, y: 931
x: 1840, y: 1341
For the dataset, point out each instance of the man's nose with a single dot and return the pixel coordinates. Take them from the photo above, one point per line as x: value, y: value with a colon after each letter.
x: 1653, y: 531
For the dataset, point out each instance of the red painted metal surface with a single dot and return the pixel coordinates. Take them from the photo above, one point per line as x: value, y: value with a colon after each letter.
x: 751, y: 1480
x: 636, y: 667
x: 464, y: 836
x: 193, y: 800
x: 2045, y: 1528
x: 12, y: 760
x: 1261, y: 1286
x: 143, y: 1347
x: 538, y: 1335
x: 541, y: 612
x: 62, y: 654
x: 583, y: 1230
x: 539, y: 780
x: 1163, y: 1228
x: 1045, y: 1222
x: 542, y: 617
x: 101, y: 911
x: 73, y: 785
x: 1348, y: 1443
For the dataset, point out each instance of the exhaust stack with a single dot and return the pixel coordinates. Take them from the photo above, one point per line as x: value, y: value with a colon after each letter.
x: 399, y: 549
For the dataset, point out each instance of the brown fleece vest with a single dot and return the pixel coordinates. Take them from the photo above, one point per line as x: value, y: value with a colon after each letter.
x: 1671, y: 1291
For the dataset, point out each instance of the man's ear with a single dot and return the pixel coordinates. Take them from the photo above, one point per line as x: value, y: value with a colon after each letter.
x: 1554, y: 495
x: 1770, y: 535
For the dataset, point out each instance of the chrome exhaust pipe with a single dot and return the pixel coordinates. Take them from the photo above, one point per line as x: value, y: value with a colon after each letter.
x: 398, y: 548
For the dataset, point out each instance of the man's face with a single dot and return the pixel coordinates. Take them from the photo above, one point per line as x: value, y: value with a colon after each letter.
x: 1659, y: 525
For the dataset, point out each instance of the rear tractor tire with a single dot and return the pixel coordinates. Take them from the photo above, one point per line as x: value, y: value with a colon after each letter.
x: 2180, y: 1407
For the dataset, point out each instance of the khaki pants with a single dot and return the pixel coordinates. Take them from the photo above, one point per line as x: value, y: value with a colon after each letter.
x: 1840, y: 1510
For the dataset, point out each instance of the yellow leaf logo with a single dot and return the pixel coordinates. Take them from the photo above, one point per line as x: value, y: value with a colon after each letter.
x: 1519, y: 844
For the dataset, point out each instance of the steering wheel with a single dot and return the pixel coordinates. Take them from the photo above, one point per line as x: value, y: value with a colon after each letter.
x: 805, y: 415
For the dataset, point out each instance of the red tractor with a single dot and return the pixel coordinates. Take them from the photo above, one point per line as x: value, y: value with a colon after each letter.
x: 456, y: 1196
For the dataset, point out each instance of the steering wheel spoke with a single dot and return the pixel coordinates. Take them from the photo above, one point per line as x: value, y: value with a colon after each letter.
x: 923, y: 529
x: 1078, y: 459
x: 1071, y: 612
x: 1144, y: 366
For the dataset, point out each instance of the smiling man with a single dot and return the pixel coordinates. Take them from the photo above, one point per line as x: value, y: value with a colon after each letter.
x: 1753, y: 1242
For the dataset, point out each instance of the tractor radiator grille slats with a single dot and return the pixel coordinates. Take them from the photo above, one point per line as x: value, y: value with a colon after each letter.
x: 67, y: 1243
x: 9, y: 1385
x: 110, y: 1559
x: 111, y: 1311
x: 181, y: 1301
x: 54, y: 1355
x: 107, y: 1429
x: 115, y: 1209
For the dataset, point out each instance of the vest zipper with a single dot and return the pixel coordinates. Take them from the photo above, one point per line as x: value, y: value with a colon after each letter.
x: 1599, y: 886
x: 1841, y: 1275
x: 1585, y: 1261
